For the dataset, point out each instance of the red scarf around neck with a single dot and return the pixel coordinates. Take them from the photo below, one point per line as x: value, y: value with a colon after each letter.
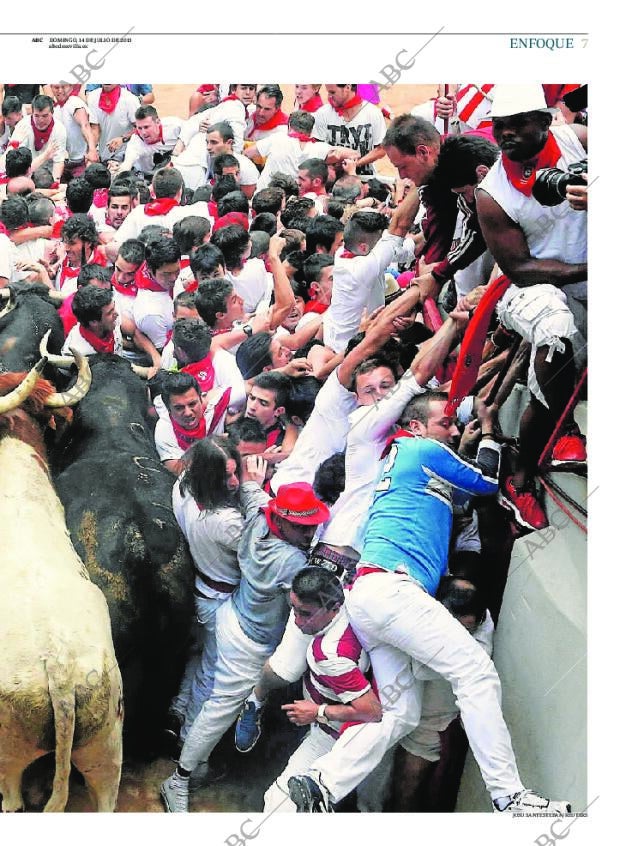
x: 522, y: 175
x: 69, y: 272
x: 187, y: 437
x: 313, y: 104
x: 100, y: 198
x: 399, y: 433
x: 108, y: 100
x: 347, y: 254
x: 145, y: 281
x: 41, y: 136
x: 130, y: 290
x: 203, y: 371
x: 356, y: 100
x: 301, y: 137
x: 102, y: 345
x: 161, y: 206
x: 314, y: 307
x: 277, y: 119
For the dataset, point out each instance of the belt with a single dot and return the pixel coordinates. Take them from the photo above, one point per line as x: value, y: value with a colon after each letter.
x: 364, y: 571
x: 222, y: 587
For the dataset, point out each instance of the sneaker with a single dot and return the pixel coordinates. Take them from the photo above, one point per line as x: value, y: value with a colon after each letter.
x: 569, y: 449
x: 309, y: 796
x: 248, y: 727
x: 528, y: 802
x: 527, y: 511
x: 174, y: 792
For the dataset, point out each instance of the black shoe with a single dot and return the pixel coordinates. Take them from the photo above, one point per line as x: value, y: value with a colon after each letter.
x: 309, y: 796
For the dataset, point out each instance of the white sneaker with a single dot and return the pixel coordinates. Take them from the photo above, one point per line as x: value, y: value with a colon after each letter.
x: 174, y: 792
x: 528, y: 802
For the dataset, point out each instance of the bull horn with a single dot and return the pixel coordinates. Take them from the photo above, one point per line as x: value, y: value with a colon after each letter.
x: 21, y: 393
x: 79, y: 390
x: 58, y: 296
x: 140, y: 370
x: 5, y: 293
x: 56, y: 360
x: 6, y: 299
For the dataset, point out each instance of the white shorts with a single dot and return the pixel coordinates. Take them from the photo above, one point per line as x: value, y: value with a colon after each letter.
x: 541, y: 316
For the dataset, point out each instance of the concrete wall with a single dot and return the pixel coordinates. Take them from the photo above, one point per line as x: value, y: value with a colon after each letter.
x: 540, y: 654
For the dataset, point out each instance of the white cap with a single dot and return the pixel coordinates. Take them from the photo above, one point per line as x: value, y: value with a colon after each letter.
x: 515, y: 99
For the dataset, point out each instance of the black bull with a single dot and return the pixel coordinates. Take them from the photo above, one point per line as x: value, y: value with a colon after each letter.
x: 24, y: 320
x: 118, y: 501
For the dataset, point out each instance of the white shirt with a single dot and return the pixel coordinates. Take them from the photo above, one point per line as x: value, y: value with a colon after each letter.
x: 213, y: 538
x: 284, y: 155
x: 195, y: 164
x: 227, y: 374
x: 8, y: 257
x: 231, y: 112
x: 137, y: 219
x: 139, y: 155
x: 114, y: 125
x: 259, y: 134
x: 369, y: 427
x: 29, y: 251
x: 363, y: 132
x: 359, y: 283
x: 252, y: 283
x: 166, y: 442
x: 23, y: 133
x: 74, y: 340
x: 323, y: 435
x: 154, y: 315
x: 76, y: 143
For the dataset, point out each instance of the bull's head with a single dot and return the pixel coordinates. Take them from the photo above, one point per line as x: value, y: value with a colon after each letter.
x: 15, y: 398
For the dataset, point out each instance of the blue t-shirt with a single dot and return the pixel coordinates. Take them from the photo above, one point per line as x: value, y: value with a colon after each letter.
x: 411, y: 515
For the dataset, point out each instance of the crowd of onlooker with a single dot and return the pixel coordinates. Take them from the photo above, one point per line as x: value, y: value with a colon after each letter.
x: 326, y: 348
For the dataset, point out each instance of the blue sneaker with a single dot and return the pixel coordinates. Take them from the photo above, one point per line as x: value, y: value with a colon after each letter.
x: 311, y: 797
x: 248, y: 727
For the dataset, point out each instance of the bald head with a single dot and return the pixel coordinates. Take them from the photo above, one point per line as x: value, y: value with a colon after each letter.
x: 21, y: 185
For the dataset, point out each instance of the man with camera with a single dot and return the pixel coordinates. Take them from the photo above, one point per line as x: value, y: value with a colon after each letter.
x: 530, y: 207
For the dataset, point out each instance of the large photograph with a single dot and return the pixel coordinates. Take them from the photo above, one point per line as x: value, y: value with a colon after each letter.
x: 293, y: 448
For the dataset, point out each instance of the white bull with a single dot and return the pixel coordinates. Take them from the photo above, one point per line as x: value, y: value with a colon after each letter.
x: 60, y: 685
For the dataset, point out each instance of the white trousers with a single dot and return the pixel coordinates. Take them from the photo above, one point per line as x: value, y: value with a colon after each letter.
x: 395, y: 620
x: 237, y: 669
x: 371, y: 793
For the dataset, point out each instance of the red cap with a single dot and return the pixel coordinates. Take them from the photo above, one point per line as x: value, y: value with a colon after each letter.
x: 298, y: 503
x: 205, y: 89
x: 232, y: 218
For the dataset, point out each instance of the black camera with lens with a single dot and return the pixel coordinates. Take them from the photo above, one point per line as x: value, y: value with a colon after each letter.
x: 551, y: 182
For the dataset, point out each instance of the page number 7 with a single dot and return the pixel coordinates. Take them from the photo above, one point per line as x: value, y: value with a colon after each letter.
x: 584, y: 42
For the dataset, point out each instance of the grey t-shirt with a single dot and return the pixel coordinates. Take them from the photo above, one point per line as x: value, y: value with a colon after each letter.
x: 268, y: 566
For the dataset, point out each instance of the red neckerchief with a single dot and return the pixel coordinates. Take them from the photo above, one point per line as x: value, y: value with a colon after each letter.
x: 234, y: 97
x: 212, y: 206
x: 313, y: 104
x: 270, y: 521
x: 277, y: 119
x: 275, y: 434
x: 203, y: 371
x: 68, y: 272
x: 399, y: 433
x: 100, y: 198
x: 314, y: 307
x: 162, y: 206
x: 130, y: 290
x: 347, y: 254
x: 41, y: 136
x: 220, y: 409
x: 145, y: 281
x: 102, y: 345
x: 470, y: 356
x: 356, y: 100
x: 301, y: 137
x: 522, y: 175
x: 187, y: 437
x: 60, y: 103
x: 191, y: 285
x: 108, y: 100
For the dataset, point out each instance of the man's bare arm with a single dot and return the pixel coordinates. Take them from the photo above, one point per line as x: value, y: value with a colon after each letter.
x: 508, y: 246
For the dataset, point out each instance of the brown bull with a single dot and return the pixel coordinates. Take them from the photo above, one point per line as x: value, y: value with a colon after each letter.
x: 60, y: 686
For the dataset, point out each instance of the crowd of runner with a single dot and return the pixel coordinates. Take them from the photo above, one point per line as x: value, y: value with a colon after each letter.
x: 327, y: 347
